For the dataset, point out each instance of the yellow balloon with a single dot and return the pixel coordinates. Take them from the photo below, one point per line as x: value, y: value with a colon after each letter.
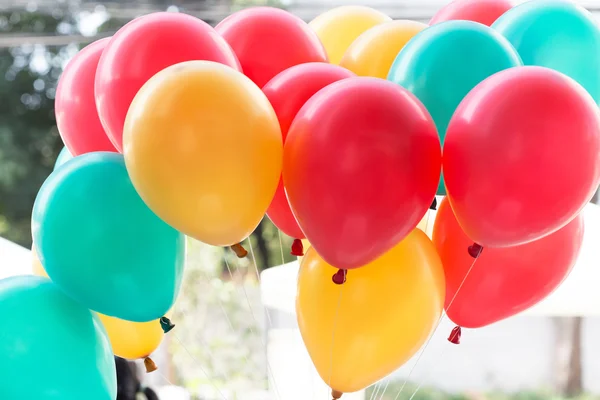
x: 130, y: 340
x: 204, y: 150
x: 339, y: 27
x: 373, y: 52
x: 377, y: 319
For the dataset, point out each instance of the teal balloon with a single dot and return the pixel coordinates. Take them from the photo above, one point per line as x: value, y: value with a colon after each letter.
x: 102, y: 245
x: 52, y: 347
x: 556, y: 34
x: 63, y: 157
x: 441, y: 64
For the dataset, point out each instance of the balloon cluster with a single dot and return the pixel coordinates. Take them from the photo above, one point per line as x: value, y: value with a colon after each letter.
x: 335, y: 130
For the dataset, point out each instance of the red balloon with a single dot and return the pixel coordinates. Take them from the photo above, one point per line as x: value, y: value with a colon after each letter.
x: 75, y: 106
x: 144, y: 47
x: 287, y: 92
x: 483, y: 11
x: 503, y: 281
x: 521, y: 156
x: 361, y: 164
x: 269, y: 40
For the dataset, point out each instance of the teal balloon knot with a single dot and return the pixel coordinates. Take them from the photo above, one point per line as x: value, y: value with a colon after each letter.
x: 166, y: 324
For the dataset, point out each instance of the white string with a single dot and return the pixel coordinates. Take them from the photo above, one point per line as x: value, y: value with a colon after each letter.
x: 269, y: 370
x: 281, y: 247
x: 335, y: 321
x: 258, y: 278
x: 423, y: 379
x: 410, y: 372
x: 375, y: 391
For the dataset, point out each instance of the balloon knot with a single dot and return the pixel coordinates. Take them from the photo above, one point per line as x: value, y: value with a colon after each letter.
x: 336, y: 394
x: 339, y: 277
x: 433, y: 205
x: 475, y: 250
x: 455, y: 335
x: 150, y: 365
x: 297, y: 248
x: 166, y: 324
x: 239, y: 250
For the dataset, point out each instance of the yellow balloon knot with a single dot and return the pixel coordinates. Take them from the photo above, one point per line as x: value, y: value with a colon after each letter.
x: 335, y: 394
x: 150, y: 365
x: 297, y: 248
x: 239, y: 250
x: 339, y: 277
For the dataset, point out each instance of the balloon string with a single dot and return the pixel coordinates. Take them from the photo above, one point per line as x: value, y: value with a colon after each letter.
x: 375, y: 391
x: 258, y: 279
x: 412, y: 369
x: 335, y: 320
x: 199, y: 365
x: 281, y: 247
x: 269, y: 369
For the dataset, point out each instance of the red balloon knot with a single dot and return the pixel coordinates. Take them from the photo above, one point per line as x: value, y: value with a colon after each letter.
x: 239, y: 250
x: 475, y: 250
x: 455, y: 335
x: 297, y: 248
x: 339, y: 277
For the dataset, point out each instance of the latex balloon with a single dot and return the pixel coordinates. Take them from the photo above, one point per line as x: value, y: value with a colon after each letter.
x: 556, y: 34
x: 374, y: 51
x: 142, y: 48
x: 44, y: 334
x: 63, y: 157
x: 132, y: 340
x: 121, y: 259
x: 339, y: 27
x: 513, y: 175
x: 288, y: 92
x: 269, y: 40
x: 483, y: 11
x: 75, y: 105
x: 503, y: 281
x: 355, y: 185
x: 438, y: 66
x: 203, y: 148
x: 378, y: 318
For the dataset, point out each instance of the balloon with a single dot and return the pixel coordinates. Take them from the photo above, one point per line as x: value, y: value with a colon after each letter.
x: 483, y: 11
x: 132, y: 340
x: 521, y: 158
x: 52, y: 347
x: 63, y: 157
x: 361, y: 164
x: 128, y: 339
x: 439, y: 67
x: 102, y: 245
x: 203, y: 148
x: 556, y: 34
x: 288, y: 92
x: 339, y: 27
x: 503, y: 281
x: 75, y: 106
x: 373, y: 52
x: 378, y: 318
x: 142, y: 48
x: 269, y: 40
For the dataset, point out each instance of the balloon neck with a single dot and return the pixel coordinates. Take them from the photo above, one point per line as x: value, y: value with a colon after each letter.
x: 239, y: 250
x: 166, y: 324
x: 475, y: 250
x: 433, y: 205
x: 455, y: 335
x: 339, y: 277
x: 336, y: 394
x: 297, y: 248
x: 150, y: 365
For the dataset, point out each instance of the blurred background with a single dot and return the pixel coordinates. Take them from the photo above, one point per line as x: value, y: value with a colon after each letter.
x: 236, y: 335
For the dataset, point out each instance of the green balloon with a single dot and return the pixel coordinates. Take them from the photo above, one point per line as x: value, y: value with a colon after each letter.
x: 102, y: 245
x: 52, y: 347
x: 556, y: 34
x: 441, y: 64
x: 63, y: 157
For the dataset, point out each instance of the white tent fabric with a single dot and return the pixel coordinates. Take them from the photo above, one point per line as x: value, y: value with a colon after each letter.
x: 14, y: 259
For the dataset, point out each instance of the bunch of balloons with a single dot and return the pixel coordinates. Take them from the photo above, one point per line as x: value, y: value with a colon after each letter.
x: 334, y: 129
